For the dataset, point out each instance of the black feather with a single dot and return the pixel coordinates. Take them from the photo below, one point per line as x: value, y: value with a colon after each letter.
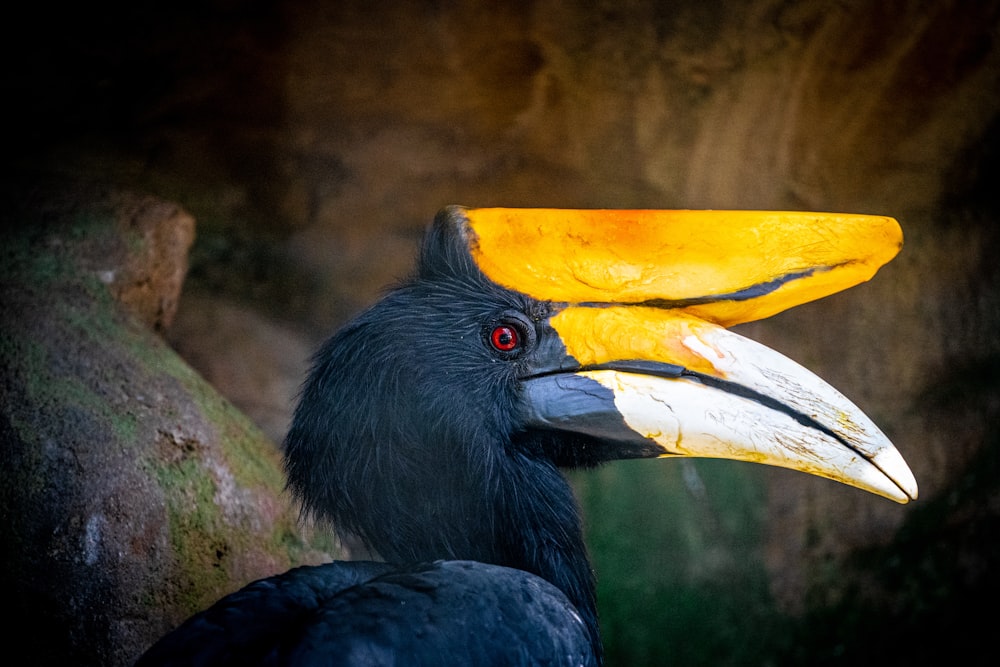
x: 368, y: 614
x: 407, y: 435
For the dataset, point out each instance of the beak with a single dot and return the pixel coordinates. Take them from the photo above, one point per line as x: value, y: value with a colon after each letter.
x: 637, y: 352
x: 702, y: 390
x: 726, y: 267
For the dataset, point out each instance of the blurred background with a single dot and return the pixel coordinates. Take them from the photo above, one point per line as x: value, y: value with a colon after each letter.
x: 313, y: 141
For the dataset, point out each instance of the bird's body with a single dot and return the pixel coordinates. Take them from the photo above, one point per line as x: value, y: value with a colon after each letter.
x: 365, y: 613
x: 434, y: 426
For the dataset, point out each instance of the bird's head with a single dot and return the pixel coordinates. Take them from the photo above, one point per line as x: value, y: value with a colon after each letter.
x: 568, y: 338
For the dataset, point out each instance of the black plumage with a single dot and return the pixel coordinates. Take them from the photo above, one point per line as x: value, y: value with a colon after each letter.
x: 408, y: 436
x: 366, y: 613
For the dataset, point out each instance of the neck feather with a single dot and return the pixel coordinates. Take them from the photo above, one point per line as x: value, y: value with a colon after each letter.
x: 542, y: 534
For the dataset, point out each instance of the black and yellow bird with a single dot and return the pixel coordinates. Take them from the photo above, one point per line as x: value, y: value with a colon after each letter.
x: 434, y: 426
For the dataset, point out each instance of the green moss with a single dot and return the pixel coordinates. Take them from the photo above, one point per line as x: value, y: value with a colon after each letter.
x: 45, y: 384
x: 201, y: 537
x: 72, y: 350
x: 25, y: 262
x: 23, y: 359
x: 194, y: 523
x: 251, y: 463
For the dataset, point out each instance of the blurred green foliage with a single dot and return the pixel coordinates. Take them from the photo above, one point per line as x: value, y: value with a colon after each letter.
x: 676, y: 545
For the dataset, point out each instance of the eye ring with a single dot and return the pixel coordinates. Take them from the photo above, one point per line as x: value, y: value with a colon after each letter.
x: 509, y: 334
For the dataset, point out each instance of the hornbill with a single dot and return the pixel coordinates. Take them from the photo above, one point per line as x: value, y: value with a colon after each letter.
x: 434, y: 426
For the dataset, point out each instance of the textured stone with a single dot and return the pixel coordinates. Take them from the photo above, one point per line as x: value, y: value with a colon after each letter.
x: 133, y: 494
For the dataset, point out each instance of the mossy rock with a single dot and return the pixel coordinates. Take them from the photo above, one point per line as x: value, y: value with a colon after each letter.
x: 133, y: 494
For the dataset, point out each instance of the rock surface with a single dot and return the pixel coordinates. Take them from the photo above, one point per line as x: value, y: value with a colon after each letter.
x: 133, y: 494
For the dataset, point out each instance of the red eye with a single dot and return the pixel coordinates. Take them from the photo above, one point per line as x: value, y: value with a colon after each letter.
x: 504, y: 338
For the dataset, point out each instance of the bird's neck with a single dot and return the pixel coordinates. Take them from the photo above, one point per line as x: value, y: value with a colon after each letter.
x: 540, y: 532
x: 521, y: 514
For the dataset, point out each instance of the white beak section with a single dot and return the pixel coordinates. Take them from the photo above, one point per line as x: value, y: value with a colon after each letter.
x: 762, y: 369
x: 759, y: 406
